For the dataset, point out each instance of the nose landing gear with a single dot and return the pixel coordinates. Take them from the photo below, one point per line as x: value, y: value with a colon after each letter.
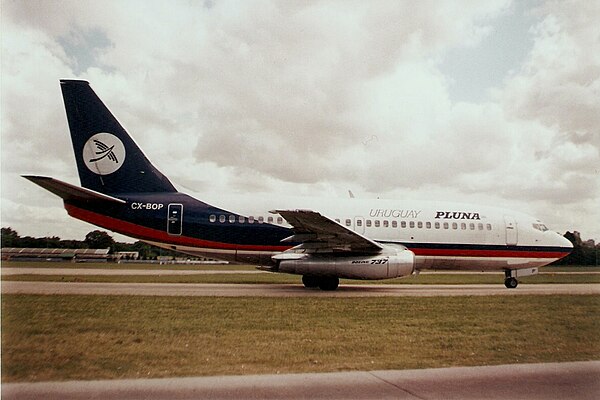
x: 511, y: 282
x: 511, y: 275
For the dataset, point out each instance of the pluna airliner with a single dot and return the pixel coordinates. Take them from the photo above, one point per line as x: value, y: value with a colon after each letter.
x: 321, y: 239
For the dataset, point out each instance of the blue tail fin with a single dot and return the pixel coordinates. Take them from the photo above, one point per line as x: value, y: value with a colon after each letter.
x: 108, y: 160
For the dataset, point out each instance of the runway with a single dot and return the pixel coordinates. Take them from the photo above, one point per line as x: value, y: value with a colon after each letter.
x: 289, y: 290
x: 575, y: 380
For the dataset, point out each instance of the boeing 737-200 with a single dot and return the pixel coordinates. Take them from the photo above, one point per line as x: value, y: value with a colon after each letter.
x: 321, y: 239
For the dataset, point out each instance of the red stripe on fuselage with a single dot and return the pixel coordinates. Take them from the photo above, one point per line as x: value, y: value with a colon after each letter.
x: 144, y: 233
x: 486, y: 253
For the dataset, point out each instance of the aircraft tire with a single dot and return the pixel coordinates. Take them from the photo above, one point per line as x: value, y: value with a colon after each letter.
x: 329, y: 283
x: 310, y: 281
x: 511, y: 283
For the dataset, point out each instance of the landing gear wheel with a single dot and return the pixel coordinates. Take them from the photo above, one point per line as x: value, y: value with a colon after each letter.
x: 329, y: 283
x: 511, y: 283
x: 310, y: 281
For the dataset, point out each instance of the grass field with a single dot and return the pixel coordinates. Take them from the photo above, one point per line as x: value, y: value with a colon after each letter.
x: 142, y: 266
x: 95, y: 337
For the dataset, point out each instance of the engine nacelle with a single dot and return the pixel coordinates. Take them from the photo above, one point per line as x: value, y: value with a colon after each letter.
x: 395, y: 265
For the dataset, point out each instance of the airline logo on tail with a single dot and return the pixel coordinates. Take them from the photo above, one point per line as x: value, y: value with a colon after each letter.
x: 103, y: 153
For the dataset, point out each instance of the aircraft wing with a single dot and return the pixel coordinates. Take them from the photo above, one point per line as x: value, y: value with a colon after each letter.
x: 316, y: 231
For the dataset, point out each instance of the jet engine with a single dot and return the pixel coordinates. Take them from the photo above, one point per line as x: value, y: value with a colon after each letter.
x: 381, y: 266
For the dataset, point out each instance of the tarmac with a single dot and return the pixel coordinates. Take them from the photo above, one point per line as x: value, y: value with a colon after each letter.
x: 574, y: 380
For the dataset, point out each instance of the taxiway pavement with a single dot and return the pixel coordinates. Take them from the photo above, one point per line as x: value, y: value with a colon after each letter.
x: 289, y: 290
x: 574, y: 380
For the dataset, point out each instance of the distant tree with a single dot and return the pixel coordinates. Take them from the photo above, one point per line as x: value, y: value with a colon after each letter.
x: 10, y: 237
x: 30, y: 241
x: 583, y: 253
x: 146, y: 251
x: 52, y: 242
x: 72, y: 244
x: 99, y: 240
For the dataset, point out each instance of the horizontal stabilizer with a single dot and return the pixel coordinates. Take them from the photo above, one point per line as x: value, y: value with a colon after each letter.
x: 70, y: 192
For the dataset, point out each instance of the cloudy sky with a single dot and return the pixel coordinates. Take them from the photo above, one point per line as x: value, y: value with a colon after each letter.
x: 491, y: 102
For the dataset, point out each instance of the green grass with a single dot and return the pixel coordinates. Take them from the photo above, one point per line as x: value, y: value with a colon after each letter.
x: 142, y: 266
x: 95, y: 337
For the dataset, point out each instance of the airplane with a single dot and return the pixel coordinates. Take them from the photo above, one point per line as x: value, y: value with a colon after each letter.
x: 321, y: 239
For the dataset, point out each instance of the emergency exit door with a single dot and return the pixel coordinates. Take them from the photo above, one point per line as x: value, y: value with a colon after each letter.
x: 175, y: 219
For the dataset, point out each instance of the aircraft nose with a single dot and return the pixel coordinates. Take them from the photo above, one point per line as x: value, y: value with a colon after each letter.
x: 564, y: 242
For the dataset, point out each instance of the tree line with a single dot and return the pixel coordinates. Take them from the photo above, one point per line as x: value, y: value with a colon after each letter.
x: 584, y: 252
x: 93, y: 240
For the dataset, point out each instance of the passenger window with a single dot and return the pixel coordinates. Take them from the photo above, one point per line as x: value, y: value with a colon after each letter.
x: 403, y: 224
x: 279, y: 220
x: 463, y: 226
x: 489, y: 227
x: 348, y: 222
x: 251, y: 219
x: 359, y: 222
x: 337, y: 220
x: 386, y: 224
x: 428, y: 225
x: 419, y: 224
x: 411, y: 224
x: 368, y: 222
x: 231, y: 219
x: 480, y: 227
x: 454, y: 225
x: 270, y: 220
x: 261, y: 220
x: 212, y: 218
x: 472, y: 227
x: 437, y: 225
x: 445, y: 225
x: 394, y: 224
x: 241, y: 219
x: 377, y: 223
x: 221, y: 218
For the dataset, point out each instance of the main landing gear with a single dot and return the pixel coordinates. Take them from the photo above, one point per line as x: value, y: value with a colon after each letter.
x: 322, y: 282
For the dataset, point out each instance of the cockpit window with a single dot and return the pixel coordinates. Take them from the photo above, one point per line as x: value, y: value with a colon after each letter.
x: 540, y: 227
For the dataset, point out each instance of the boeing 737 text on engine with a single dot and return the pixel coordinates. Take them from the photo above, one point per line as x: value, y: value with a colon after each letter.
x: 321, y: 239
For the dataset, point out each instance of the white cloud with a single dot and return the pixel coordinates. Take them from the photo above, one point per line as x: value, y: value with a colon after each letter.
x: 313, y: 97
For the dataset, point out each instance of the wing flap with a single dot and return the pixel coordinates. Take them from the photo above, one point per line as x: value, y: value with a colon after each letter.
x: 316, y: 231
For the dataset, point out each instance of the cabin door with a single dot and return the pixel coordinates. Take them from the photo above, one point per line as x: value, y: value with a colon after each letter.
x: 511, y: 230
x: 175, y: 219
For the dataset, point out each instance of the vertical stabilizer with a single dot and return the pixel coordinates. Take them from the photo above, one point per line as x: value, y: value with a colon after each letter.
x: 108, y: 160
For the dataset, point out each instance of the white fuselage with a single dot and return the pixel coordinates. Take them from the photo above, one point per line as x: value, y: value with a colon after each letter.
x: 443, y: 235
